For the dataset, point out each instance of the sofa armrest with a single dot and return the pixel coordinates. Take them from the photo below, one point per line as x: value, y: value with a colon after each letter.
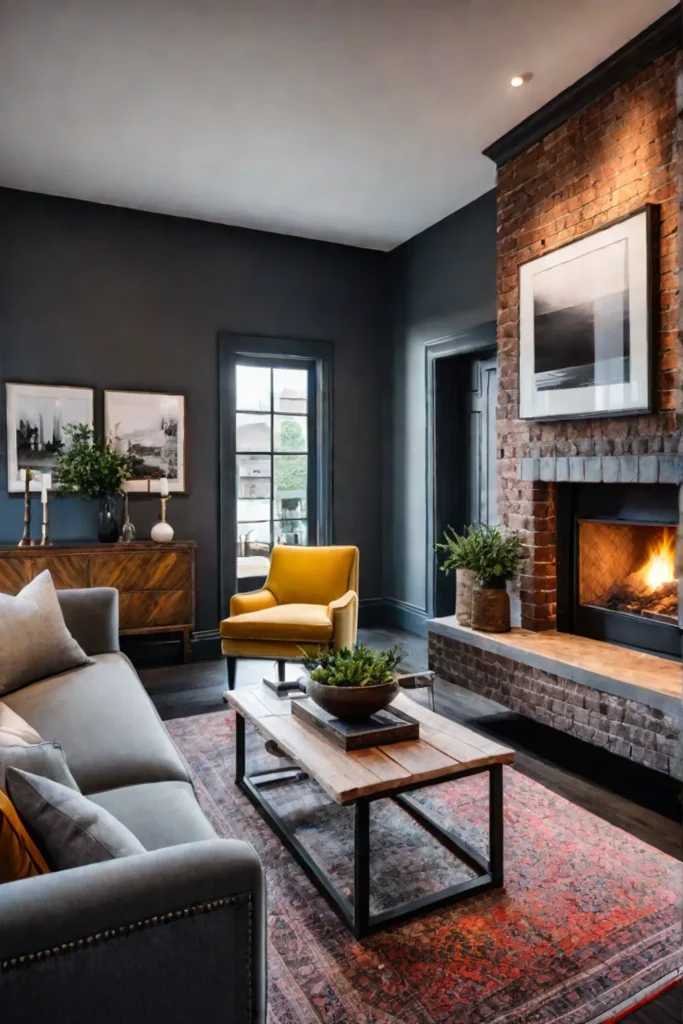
x: 254, y: 601
x: 92, y: 618
x: 344, y: 615
x: 174, y: 935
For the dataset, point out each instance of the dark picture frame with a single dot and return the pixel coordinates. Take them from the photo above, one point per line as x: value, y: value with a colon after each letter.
x: 36, y: 414
x: 586, y: 324
x: 141, y: 422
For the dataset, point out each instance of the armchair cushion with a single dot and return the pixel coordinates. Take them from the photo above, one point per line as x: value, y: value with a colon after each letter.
x: 307, y: 623
x: 317, y: 575
x: 255, y: 601
x: 344, y: 615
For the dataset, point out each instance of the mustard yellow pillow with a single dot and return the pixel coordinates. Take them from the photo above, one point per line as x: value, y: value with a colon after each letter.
x: 19, y: 855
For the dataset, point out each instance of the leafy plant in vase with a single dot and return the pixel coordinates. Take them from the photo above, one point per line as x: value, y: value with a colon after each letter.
x: 355, y: 682
x: 496, y: 558
x: 91, y: 467
x: 459, y: 550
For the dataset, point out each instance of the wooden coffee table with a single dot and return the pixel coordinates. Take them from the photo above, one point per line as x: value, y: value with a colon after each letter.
x: 445, y: 750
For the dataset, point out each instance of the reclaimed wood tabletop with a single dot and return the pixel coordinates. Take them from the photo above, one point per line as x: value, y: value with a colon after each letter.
x: 444, y: 750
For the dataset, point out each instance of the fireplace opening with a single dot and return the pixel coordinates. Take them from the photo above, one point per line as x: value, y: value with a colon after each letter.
x: 630, y: 568
x: 616, y: 577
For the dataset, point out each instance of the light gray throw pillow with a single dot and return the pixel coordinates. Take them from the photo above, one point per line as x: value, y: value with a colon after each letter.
x: 34, y: 640
x: 45, y: 759
x: 14, y: 731
x: 69, y: 830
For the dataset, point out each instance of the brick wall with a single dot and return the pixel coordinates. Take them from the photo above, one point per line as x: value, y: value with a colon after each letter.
x: 625, y: 727
x: 604, y: 163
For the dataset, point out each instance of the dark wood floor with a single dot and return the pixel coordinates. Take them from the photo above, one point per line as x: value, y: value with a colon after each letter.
x: 640, y: 801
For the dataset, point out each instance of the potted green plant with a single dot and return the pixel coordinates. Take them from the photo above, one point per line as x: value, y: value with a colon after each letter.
x: 496, y: 558
x: 91, y: 467
x: 355, y: 682
x: 459, y: 551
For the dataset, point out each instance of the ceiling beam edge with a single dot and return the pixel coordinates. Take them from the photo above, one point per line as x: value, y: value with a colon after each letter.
x: 655, y: 41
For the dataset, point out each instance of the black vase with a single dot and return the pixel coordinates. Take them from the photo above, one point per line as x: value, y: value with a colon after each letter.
x: 108, y: 519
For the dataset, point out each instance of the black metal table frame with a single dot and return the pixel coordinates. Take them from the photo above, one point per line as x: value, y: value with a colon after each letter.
x: 356, y: 916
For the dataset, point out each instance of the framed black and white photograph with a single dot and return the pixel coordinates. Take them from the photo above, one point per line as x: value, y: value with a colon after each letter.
x: 36, y: 417
x: 586, y: 325
x: 151, y: 427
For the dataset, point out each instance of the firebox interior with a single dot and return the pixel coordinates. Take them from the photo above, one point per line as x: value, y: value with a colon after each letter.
x: 629, y: 567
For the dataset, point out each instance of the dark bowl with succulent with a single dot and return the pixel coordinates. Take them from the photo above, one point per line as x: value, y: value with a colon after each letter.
x: 354, y: 683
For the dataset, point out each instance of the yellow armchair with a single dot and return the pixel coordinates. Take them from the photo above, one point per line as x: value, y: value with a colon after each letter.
x: 309, y: 600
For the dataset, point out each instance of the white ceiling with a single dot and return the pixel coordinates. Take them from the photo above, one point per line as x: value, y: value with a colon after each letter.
x: 359, y: 121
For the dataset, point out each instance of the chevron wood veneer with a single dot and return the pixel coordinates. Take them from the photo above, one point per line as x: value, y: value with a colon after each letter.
x: 155, y: 582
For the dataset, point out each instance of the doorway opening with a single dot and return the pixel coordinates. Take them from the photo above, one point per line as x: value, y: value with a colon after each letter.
x: 461, y: 447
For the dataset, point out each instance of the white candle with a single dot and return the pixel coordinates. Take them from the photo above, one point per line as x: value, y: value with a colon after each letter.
x: 163, y: 487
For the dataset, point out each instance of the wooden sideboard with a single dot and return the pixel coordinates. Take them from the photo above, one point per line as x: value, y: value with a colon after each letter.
x: 155, y: 581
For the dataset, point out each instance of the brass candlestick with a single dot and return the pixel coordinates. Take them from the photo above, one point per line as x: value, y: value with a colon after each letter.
x: 26, y: 541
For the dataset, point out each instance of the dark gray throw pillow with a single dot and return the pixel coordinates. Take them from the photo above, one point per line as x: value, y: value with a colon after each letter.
x: 69, y: 830
x: 45, y: 759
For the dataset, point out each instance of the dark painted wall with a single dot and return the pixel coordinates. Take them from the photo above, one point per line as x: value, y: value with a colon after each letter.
x: 99, y: 296
x: 443, y: 281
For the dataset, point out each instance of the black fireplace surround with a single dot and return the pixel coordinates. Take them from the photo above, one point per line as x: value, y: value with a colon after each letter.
x: 601, y: 567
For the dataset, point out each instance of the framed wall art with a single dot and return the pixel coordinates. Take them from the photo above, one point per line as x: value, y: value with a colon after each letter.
x: 586, y: 325
x: 36, y: 417
x: 150, y: 426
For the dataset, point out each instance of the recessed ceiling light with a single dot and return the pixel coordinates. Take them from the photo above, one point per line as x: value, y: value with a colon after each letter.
x: 518, y: 80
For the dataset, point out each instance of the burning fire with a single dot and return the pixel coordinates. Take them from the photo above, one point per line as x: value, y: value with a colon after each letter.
x: 660, y: 566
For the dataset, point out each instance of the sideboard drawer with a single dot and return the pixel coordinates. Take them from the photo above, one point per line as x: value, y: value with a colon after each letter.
x: 151, y: 609
x: 69, y: 572
x: 155, y: 582
x: 139, y: 571
x: 15, y: 573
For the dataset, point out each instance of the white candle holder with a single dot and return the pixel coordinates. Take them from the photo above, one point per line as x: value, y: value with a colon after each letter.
x: 162, y: 532
x: 46, y: 483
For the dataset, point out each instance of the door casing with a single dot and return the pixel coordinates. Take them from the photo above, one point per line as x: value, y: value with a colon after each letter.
x: 479, y: 339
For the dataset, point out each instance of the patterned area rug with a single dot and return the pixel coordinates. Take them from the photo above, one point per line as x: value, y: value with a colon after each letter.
x: 588, y: 922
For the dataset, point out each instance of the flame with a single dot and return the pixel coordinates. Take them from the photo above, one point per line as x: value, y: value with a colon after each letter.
x: 660, y: 566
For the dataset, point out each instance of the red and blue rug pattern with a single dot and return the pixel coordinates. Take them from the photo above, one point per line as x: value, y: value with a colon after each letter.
x: 588, y: 922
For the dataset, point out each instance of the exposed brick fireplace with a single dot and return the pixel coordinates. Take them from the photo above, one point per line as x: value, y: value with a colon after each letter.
x: 605, y: 162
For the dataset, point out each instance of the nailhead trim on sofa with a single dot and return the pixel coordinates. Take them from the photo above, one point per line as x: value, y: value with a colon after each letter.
x: 26, y: 959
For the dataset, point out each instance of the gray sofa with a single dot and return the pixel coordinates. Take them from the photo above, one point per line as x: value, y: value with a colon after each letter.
x: 174, y: 934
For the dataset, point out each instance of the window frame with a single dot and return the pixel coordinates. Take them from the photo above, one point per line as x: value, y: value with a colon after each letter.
x: 277, y: 353
x: 309, y: 366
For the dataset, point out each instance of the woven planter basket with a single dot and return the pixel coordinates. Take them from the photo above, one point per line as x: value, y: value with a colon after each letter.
x: 464, y: 583
x: 490, y: 609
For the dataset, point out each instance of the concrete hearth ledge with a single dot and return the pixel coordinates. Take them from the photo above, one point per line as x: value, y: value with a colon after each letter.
x: 655, y: 682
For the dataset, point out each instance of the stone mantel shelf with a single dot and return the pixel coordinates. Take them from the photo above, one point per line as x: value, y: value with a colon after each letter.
x: 656, y: 682
x: 608, y: 469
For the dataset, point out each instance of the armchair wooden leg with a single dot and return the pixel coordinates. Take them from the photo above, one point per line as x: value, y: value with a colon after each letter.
x: 281, y: 670
x: 232, y: 671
